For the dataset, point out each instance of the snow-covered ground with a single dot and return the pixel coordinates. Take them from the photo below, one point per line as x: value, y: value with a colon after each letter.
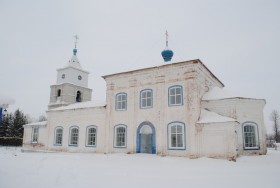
x: 73, y: 170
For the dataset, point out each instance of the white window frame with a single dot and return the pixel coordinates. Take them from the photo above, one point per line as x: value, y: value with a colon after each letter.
x: 116, y: 136
x: 34, y: 135
x: 119, y: 101
x: 144, y: 99
x: 255, y: 134
x: 175, y: 95
x: 176, y: 134
x: 71, y: 136
x: 56, y: 136
x: 94, y: 135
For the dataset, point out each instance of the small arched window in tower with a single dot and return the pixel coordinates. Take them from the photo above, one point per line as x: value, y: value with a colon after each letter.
x: 79, y: 97
x: 58, y: 97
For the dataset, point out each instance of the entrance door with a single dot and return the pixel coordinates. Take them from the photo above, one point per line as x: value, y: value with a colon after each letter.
x: 146, y: 138
x: 146, y: 143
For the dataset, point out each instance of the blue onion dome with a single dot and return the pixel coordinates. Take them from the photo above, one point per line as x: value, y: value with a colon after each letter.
x: 75, y: 51
x: 167, y: 54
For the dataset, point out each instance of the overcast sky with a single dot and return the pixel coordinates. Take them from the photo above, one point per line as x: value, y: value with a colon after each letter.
x: 237, y: 40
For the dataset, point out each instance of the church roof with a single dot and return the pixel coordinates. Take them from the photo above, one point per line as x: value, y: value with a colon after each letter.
x: 207, y: 116
x: 38, y: 124
x: 195, y: 61
x: 80, y: 105
x: 217, y: 93
x: 74, y: 63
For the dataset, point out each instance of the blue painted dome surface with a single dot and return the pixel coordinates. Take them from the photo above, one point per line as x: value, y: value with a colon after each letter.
x: 74, y: 51
x: 167, y: 54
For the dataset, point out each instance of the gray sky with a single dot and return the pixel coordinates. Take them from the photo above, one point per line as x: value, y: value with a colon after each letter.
x: 237, y: 40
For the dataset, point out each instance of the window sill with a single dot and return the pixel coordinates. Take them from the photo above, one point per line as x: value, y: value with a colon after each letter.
x: 73, y: 145
x: 170, y: 105
x: 91, y: 146
x: 149, y: 107
x: 181, y: 148
x: 120, y: 147
x: 251, y: 148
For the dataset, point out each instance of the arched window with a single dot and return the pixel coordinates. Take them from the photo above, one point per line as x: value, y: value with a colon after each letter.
x: 175, y: 95
x: 120, y: 136
x: 146, y: 98
x: 59, y: 92
x: 58, y: 136
x: 176, y: 136
x: 121, y: 101
x: 35, y: 135
x: 79, y: 96
x: 91, y: 136
x: 74, y: 136
x: 250, y: 135
x: 58, y: 97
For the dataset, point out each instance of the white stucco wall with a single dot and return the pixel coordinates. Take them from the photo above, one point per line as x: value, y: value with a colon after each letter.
x: 217, y: 140
x: 191, y: 76
x: 82, y: 118
x: 42, y: 137
x: 243, y: 110
x: 71, y: 76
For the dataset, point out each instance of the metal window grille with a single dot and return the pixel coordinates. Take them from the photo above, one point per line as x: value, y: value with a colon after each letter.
x: 74, y: 136
x: 58, y: 136
x: 91, y: 137
x: 120, y: 136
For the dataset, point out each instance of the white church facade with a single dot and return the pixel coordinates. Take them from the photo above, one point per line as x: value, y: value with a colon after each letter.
x: 176, y: 109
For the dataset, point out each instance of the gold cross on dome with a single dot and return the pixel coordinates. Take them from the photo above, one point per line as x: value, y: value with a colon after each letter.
x: 166, y: 34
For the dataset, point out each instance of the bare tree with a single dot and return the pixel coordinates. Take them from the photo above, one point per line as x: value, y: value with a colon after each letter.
x: 275, y: 118
x: 42, y: 118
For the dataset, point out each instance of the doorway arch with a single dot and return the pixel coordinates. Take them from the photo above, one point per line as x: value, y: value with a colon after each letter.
x: 146, y: 130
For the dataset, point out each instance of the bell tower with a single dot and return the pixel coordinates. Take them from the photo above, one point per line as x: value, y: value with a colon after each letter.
x: 71, y: 83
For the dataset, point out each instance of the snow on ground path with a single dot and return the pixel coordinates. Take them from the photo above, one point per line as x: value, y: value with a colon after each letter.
x: 73, y: 170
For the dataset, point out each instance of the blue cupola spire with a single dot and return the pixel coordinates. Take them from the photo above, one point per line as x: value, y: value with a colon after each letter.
x: 167, y: 54
x: 75, y: 49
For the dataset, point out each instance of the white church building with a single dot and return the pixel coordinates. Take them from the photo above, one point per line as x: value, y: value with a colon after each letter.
x: 176, y: 109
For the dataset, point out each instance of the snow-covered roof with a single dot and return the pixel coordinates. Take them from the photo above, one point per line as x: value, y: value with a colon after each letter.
x: 38, y: 124
x: 4, y: 99
x: 79, y: 105
x: 223, y: 93
x: 207, y: 116
x: 74, y: 62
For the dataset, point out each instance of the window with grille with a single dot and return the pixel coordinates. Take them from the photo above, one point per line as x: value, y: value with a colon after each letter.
x: 120, y: 136
x: 250, y: 136
x: 35, y: 134
x: 58, y: 136
x: 91, y: 136
x: 176, y: 134
x: 74, y: 136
